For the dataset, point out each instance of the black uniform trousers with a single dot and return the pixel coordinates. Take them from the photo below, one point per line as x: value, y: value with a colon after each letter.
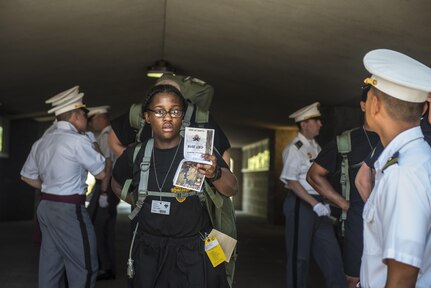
x: 310, y: 235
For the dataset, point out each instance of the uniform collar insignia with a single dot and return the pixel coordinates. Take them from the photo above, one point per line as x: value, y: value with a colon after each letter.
x: 299, y: 144
x: 391, y: 161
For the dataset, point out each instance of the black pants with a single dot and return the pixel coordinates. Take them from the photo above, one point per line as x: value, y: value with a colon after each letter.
x: 310, y: 235
x: 169, y: 262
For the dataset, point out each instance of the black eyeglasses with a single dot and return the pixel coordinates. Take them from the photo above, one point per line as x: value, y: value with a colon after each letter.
x: 161, y: 113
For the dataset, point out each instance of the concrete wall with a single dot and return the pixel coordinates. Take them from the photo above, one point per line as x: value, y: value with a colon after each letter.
x: 281, y: 139
x: 256, y: 168
x: 16, y: 197
x: 255, y: 193
x: 236, y: 155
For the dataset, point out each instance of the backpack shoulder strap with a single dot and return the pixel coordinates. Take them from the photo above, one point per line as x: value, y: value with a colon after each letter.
x: 344, y: 142
x: 344, y: 146
x: 143, y: 182
x: 202, y: 115
x: 187, y: 118
x: 128, y: 182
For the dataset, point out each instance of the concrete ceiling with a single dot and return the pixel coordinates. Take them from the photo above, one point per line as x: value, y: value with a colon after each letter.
x: 265, y: 58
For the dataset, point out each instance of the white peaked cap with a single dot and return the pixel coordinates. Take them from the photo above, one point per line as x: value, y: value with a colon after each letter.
x: 92, y: 111
x: 60, y: 97
x: 398, y: 75
x: 70, y: 103
x: 307, y: 112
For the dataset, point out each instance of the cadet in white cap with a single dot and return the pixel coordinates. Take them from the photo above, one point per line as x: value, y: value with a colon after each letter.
x: 397, y: 215
x: 60, y: 99
x: 309, y: 231
x: 57, y: 165
x: 103, y: 204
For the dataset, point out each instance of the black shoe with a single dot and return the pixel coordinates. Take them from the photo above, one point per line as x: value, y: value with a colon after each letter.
x: 105, y: 275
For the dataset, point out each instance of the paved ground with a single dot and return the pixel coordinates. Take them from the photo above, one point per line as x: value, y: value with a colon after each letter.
x: 260, y: 263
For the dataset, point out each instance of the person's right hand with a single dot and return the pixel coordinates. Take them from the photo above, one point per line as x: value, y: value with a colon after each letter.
x: 103, y: 200
x: 322, y: 209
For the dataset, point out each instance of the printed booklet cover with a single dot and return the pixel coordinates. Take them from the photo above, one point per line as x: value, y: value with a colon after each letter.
x: 197, y: 141
x: 187, y: 176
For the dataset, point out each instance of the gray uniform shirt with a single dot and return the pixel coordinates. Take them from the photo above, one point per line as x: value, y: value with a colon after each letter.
x: 61, y: 159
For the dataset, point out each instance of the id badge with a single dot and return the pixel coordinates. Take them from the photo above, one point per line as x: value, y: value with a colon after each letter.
x: 160, y: 207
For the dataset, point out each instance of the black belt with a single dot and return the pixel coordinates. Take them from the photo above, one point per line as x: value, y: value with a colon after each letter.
x: 72, y: 199
x: 319, y: 198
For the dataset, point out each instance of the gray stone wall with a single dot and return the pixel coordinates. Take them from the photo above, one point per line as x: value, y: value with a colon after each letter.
x: 255, y: 193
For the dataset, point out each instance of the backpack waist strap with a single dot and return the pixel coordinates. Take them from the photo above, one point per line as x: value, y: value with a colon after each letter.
x: 169, y: 194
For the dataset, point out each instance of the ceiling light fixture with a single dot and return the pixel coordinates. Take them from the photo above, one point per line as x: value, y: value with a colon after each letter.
x: 161, y: 66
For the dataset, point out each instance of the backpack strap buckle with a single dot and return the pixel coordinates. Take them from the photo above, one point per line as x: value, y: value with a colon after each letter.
x: 187, y: 118
x: 135, y: 211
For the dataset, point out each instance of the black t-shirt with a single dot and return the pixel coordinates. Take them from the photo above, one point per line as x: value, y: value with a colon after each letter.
x: 330, y: 159
x: 127, y: 135
x: 187, y: 218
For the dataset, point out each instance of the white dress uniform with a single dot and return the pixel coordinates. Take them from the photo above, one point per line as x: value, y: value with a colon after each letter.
x: 397, y: 216
x: 307, y: 234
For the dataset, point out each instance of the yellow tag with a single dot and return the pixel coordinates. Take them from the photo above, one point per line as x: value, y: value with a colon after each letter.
x: 214, y: 251
x: 227, y: 243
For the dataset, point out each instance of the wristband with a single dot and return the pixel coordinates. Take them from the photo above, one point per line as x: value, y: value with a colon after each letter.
x: 217, y: 174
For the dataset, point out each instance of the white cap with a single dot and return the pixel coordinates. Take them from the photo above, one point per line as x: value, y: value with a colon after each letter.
x: 69, y: 103
x: 307, y: 112
x: 398, y: 75
x: 60, y: 97
x: 92, y: 111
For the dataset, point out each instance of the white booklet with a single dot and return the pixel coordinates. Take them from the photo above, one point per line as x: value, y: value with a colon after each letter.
x: 197, y: 141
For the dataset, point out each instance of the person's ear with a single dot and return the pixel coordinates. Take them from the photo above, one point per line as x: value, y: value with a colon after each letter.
x: 425, y: 108
x: 362, y: 105
x: 376, y: 105
x: 301, y: 125
x: 147, y: 117
x: 74, y: 116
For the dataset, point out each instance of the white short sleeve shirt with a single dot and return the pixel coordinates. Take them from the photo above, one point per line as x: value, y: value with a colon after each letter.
x: 397, y: 216
x: 102, y: 140
x: 297, y: 159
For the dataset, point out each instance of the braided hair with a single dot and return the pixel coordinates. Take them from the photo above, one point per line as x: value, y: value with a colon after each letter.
x: 163, y: 88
